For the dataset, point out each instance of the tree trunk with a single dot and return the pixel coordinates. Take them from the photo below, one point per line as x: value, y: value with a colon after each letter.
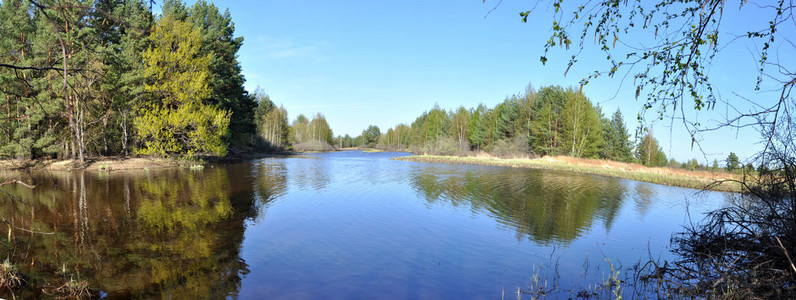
x: 124, y: 133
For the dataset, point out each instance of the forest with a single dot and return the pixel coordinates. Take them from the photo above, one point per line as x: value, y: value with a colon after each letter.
x: 81, y: 79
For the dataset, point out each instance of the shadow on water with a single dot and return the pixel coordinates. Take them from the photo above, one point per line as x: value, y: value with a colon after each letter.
x: 171, y: 233
x: 545, y: 206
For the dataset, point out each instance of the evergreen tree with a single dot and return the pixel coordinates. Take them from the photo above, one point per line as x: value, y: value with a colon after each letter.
x: 506, y: 117
x: 124, y: 84
x: 477, y: 129
x: 525, y: 112
x: 732, y: 162
x: 434, y: 125
x: 546, y: 125
x: 225, y: 78
x: 24, y: 123
x: 617, y: 139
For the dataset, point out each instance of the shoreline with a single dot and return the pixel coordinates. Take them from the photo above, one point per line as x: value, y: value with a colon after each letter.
x: 118, y: 163
x: 702, y: 180
x: 93, y: 164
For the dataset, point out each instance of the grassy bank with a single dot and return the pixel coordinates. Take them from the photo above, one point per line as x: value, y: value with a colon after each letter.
x: 666, y: 176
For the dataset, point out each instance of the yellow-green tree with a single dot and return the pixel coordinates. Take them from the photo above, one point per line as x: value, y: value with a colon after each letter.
x: 175, y: 121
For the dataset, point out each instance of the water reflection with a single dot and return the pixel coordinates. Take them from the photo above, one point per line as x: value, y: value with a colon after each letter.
x: 309, y: 172
x: 340, y: 225
x: 542, y: 205
x: 172, y: 233
x: 643, y: 199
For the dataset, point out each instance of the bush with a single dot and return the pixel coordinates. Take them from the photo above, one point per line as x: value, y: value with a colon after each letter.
x: 744, y: 250
x: 312, y: 146
x: 516, y: 147
x: 442, y: 146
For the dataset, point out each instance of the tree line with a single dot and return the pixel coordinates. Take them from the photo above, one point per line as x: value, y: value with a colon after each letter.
x: 549, y: 121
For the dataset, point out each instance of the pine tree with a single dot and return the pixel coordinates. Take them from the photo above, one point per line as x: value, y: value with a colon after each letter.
x: 617, y: 139
x: 477, y: 131
x: 225, y: 78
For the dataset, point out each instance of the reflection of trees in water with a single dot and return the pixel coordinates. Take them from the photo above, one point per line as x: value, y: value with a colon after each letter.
x: 270, y: 180
x: 270, y: 183
x: 309, y: 172
x: 642, y: 199
x: 176, y: 232
x: 543, y: 205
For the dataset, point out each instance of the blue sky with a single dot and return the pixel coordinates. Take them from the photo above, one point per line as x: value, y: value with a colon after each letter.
x: 386, y: 62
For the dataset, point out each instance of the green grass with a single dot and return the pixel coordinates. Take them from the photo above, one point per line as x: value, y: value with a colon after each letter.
x: 662, y: 176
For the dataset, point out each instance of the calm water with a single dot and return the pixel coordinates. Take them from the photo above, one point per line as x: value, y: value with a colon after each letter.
x: 341, y: 225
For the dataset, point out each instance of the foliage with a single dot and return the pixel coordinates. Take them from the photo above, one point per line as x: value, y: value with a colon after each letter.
x: 650, y: 153
x: 671, y: 60
x: 617, y: 139
x: 371, y: 136
x: 226, y: 81
x: 582, y: 133
x: 176, y: 72
x: 547, y: 125
x: 732, y: 162
x: 75, y: 76
x: 176, y: 122
x: 187, y: 130
x: 550, y: 121
x: 315, y: 134
x: 10, y: 276
x: 271, y: 121
x: 460, y: 128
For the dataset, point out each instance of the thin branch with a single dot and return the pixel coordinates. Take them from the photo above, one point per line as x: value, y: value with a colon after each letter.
x: 15, y: 67
x: 18, y: 182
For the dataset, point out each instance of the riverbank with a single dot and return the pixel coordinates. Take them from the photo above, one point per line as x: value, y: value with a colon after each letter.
x: 113, y: 163
x: 97, y: 164
x: 718, y: 181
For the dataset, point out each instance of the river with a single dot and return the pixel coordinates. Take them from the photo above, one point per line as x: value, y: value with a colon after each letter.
x: 339, y: 225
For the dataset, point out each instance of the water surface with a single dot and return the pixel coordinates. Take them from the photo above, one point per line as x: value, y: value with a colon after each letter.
x: 337, y: 225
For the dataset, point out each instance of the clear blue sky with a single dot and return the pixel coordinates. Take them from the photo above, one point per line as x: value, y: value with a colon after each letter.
x: 386, y: 62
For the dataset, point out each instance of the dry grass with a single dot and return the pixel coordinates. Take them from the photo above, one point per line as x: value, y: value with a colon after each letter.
x: 10, y: 276
x: 666, y: 176
x: 98, y: 164
x: 75, y: 289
